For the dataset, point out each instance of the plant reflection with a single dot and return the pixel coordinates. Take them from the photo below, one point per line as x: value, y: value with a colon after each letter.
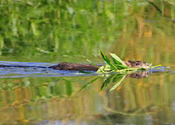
x: 117, y: 78
x: 68, y: 98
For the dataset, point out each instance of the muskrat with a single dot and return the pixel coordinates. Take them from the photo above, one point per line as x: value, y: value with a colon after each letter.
x: 89, y: 67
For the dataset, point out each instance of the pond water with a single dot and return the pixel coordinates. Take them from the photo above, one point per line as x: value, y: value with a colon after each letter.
x: 45, y: 33
x: 29, y: 98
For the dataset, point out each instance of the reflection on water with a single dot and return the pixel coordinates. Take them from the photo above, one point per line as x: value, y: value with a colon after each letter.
x: 9, y: 69
x: 150, y: 100
x: 60, y: 31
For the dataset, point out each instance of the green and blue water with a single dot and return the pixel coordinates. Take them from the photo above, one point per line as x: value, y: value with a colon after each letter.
x: 47, y: 32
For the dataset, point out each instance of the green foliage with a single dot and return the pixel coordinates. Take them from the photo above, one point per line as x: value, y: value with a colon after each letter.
x: 113, y: 78
x: 90, y: 61
x: 117, y: 60
x: 66, y: 27
x: 106, y: 59
x: 86, y: 85
x: 118, y: 83
x: 117, y: 66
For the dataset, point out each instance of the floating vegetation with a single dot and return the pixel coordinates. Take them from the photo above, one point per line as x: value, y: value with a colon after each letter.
x: 119, y: 70
x: 116, y: 66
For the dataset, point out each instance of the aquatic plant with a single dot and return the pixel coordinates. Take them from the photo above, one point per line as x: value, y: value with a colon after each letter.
x: 116, y: 66
x: 119, y: 71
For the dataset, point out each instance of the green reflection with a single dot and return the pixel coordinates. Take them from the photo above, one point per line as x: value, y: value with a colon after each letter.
x: 61, y: 99
x: 48, y: 31
x: 70, y: 28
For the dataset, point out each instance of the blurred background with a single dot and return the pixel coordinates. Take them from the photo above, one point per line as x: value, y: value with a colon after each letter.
x: 50, y: 30
x: 54, y: 31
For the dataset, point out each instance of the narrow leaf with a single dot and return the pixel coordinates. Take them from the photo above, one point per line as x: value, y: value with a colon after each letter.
x: 118, y: 83
x: 86, y: 85
x: 108, y: 80
x: 107, y: 60
x: 117, y: 58
x: 90, y: 62
x: 115, y: 61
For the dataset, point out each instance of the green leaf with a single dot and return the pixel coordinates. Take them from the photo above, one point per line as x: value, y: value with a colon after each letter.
x: 117, y: 59
x: 108, y: 80
x: 118, y: 77
x: 142, y: 69
x: 107, y: 60
x: 92, y: 81
x: 122, y: 67
x: 90, y: 62
x: 105, y: 69
x: 118, y: 83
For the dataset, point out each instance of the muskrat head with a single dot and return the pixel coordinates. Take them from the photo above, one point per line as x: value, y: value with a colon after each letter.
x: 138, y: 64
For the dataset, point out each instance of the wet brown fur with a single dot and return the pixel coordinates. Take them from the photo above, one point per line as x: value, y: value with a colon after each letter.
x: 89, y: 67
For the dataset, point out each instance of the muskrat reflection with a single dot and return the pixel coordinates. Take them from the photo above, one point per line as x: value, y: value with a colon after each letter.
x: 118, y: 78
x: 138, y: 75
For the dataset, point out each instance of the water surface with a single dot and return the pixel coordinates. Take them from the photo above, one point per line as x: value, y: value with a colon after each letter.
x: 44, y: 33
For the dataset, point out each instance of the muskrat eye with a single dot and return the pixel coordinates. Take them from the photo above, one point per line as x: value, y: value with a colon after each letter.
x: 137, y: 63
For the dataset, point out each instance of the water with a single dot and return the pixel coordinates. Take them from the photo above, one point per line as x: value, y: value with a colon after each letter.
x: 34, y: 69
x: 60, y: 101
x: 45, y: 33
x: 47, y: 96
